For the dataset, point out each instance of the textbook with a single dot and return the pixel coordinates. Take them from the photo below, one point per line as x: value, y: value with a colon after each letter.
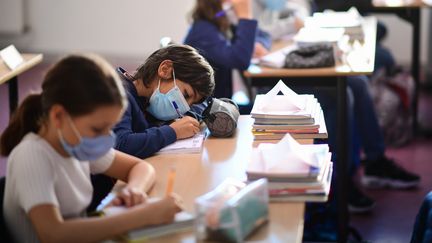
x: 191, y: 145
x: 183, y: 221
x: 305, y: 195
x: 279, y: 121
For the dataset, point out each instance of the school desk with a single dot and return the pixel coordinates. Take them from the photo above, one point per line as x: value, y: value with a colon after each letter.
x: 11, y: 76
x: 196, y: 174
x: 410, y: 11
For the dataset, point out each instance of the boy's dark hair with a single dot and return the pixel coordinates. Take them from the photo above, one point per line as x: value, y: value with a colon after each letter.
x: 80, y: 83
x: 189, y: 66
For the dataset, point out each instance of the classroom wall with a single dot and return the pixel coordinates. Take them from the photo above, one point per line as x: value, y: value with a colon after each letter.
x: 132, y: 28
x: 128, y: 28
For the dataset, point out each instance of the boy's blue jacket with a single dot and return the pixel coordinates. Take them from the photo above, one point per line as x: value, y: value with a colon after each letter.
x: 136, y: 135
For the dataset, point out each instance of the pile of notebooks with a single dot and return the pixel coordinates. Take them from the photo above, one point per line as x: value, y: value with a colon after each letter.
x: 282, y: 111
x: 295, y: 172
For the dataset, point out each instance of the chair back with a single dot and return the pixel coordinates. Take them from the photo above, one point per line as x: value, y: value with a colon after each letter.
x: 4, y: 232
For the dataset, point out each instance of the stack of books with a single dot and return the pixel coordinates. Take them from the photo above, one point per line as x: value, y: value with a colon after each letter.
x: 276, y: 115
x: 295, y: 172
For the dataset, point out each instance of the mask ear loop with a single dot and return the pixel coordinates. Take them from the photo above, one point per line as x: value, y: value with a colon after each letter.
x: 174, y: 78
x: 74, y: 128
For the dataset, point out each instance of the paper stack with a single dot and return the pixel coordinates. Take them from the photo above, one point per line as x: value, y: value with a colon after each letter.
x: 278, y: 114
x: 350, y: 20
x: 295, y: 172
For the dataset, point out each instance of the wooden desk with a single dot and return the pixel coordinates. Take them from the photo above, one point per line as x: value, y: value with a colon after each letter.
x: 341, y: 69
x: 30, y: 60
x: 409, y: 10
x: 335, y: 76
x: 222, y: 158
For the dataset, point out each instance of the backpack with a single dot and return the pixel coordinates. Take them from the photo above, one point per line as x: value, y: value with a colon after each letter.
x: 392, y: 93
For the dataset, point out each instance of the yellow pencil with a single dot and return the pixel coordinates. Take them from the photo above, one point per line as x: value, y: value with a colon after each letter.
x: 170, y: 183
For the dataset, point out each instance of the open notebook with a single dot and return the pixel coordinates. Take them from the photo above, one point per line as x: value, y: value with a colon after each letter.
x: 183, y: 221
x: 191, y: 145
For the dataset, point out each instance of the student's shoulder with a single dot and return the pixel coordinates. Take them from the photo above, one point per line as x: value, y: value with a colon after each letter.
x: 204, y: 25
x: 31, y: 146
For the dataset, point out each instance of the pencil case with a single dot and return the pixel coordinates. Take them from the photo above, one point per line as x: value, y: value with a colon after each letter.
x: 231, y: 211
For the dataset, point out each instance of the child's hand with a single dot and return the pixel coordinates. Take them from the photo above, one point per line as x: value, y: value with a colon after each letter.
x: 298, y: 23
x: 164, y: 210
x: 242, y: 8
x: 259, y: 50
x: 129, y: 197
x: 185, y: 127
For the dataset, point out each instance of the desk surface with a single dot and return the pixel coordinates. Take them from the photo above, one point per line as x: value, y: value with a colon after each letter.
x: 401, y: 3
x: 222, y: 158
x: 30, y: 60
x: 341, y: 69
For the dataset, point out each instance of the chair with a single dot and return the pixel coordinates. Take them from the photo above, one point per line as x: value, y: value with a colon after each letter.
x: 423, y: 226
x: 4, y: 232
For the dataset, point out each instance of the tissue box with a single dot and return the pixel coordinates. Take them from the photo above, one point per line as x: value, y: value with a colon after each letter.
x: 231, y: 211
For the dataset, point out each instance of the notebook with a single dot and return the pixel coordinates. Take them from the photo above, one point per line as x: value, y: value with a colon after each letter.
x: 183, y: 221
x: 191, y: 145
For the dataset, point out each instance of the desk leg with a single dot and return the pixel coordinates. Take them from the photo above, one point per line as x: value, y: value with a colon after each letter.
x: 342, y: 160
x: 13, y: 94
x: 415, y: 60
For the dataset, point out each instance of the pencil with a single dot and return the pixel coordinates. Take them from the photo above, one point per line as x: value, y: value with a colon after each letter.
x: 170, y: 183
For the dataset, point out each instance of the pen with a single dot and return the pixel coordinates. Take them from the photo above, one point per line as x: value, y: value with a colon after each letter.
x: 106, y: 201
x: 170, y: 183
x: 177, y: 109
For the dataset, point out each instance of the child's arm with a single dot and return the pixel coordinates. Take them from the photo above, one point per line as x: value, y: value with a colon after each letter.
x: 51, y: 227
x: 138, y: 174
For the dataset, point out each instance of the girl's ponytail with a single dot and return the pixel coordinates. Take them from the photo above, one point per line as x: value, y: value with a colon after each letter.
x: 25, y: 119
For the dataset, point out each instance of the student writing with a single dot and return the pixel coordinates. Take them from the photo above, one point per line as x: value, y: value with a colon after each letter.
x: 55, y: 140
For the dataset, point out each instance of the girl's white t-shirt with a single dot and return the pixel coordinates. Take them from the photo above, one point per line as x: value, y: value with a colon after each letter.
x: 38, y: 175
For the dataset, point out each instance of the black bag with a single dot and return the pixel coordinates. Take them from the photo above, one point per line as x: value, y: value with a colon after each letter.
x: 393, y: 94
x: 313, y: 56
x: 221, y: 117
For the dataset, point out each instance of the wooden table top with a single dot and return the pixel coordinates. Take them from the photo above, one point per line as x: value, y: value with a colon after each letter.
x: 222, y: 158
x: 366, y: 67
x: 30, y: 60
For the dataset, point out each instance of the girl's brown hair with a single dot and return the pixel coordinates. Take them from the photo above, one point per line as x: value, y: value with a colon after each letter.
x: 189, y: 66
x: 209, y: 10
x: 80, y: 83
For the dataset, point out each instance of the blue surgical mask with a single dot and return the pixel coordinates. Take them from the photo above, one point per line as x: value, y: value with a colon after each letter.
x: 168, y: 106
x: 275, y: 5
x: 87, y: 149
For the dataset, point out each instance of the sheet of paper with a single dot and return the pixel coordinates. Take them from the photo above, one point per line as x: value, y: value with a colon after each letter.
x: 188, y: 145
x: 11, y: 57
x: 290, y: 100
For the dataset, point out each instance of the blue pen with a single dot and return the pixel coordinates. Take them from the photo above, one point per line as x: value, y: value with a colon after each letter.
x: 177, y: 109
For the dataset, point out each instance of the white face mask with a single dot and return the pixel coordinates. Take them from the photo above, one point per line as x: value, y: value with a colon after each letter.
x: 168, y: 106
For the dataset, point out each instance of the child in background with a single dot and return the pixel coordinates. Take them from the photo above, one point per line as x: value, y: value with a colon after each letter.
x: 227, y: 36
x: 55, y: 140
